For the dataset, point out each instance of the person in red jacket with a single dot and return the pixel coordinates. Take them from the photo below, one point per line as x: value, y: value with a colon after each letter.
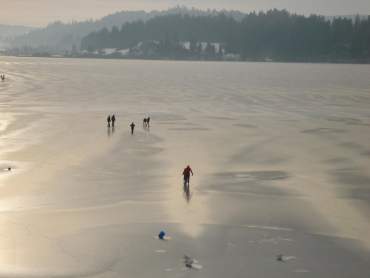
x: 186, y: 173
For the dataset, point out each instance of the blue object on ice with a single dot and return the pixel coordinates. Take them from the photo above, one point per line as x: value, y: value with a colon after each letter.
x: 161, y: 235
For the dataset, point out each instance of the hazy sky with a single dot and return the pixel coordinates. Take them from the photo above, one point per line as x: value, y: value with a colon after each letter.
x: 41, y: 12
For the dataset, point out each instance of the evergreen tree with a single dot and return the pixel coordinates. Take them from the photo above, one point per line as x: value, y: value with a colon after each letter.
x: 274, y: 34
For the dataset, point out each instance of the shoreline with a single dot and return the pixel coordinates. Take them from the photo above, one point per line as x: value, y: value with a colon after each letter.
x: 93, y: 57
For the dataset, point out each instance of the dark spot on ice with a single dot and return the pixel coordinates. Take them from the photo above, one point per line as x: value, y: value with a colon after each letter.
x: 337, y: 160
x: 366, y: 153
x: 6, y: 168
x: 250, y: 182
x: 355, y: 183
x: 347, y: 121
x: 246, y: 125
x: 353, y: 146
x: 323, y: 130
x: 280, y: 258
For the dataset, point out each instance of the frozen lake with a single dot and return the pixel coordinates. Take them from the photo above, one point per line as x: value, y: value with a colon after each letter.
x: 280, y: 154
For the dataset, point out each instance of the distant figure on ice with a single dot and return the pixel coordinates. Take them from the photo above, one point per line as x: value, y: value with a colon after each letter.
x: 113, y: 120
x: 280, y: 258
x: 132, y: 125
x: 148, y: 121
x: 2, y: 77
x: 109, y: 120
x: 186, y: 173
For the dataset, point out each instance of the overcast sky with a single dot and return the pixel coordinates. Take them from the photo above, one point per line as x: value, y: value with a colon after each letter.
x: 41, y: 12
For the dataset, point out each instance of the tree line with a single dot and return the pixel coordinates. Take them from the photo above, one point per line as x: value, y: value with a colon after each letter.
x: 275, y: 34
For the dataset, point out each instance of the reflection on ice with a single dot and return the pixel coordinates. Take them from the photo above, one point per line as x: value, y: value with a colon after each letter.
x: 281, y: 159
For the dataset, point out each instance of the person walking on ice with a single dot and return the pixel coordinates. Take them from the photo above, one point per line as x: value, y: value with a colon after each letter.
x: 113, y: 119
x: 109, y: 120
x: 132, y: 125
x: 186, y: 173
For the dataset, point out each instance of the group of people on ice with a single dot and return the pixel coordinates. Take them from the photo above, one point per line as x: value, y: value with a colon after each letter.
x: 111, y: 119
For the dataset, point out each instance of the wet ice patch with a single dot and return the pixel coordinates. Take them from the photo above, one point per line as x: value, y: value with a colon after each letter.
x: 271, y: 228
x: 301, y: 271
x: 258, y: 175
x: 249, y: 182
x: 337, y: 160
x: 323, y: 130
x: 366, y: 153
x: 160, y: 251
x: 347, y: 121
x: 354, y: 146
x: 275, y: 240
x: 245, y: 125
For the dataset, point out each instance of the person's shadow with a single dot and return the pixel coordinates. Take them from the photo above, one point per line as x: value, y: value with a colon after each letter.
x: 110, y: 131
x: 146, y: 127
x: 187, y: 193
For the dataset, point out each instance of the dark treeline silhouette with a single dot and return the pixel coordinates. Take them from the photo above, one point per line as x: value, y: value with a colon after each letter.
x: 61, y: 38
x: 276, y: 35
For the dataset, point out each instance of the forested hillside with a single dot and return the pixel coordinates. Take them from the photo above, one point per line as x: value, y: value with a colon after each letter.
x: 276, y: 35
x: 59, y: 37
